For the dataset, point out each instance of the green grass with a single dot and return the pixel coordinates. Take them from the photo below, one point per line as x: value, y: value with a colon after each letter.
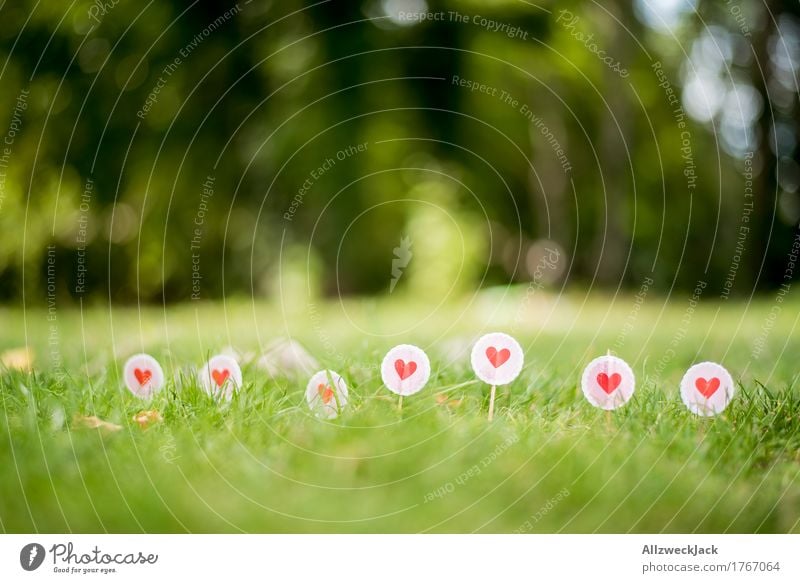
x: 548, y: 463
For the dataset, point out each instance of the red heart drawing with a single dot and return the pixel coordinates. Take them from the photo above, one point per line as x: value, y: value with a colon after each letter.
x: 609, y: 383
x: 325, y: 392
x: 497, y: 357
x: 220, y: 376
x: 404, y: 369
x: 707, y: 387
x: 143, y: 376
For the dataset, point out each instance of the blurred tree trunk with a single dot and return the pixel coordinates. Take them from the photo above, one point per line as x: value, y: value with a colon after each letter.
x: 547, y: 187
x: 765, y: 189
x: 613, y: 149
x: 770, y: 238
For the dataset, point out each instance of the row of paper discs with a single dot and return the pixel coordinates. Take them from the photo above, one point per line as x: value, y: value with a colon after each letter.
x: 607, y: 381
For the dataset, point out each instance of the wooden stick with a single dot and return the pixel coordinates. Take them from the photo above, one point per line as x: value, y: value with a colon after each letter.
x: 400, y: 403
x: 701, y: 430
x: 491, y: 402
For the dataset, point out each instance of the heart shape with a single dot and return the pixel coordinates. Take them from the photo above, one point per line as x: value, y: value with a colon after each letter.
x: 325, y: 393
x: 405, y: 369
x: 220, y: 376
x: 609, y: 383
x: 707, y: 387
x: 497, y: 357
x: 143, y: 376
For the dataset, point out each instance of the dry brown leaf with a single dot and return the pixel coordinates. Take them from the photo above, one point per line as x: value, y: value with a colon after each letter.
x: 443, y: 399
x: 93, y: 422
x: 18, y: 358
x: 147, y: 418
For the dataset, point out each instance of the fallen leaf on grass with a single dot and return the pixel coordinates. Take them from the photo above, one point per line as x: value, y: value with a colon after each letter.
x: 147, y: 418
x: 443, y: 399
x: 18, y: 358
x: 92, y: 422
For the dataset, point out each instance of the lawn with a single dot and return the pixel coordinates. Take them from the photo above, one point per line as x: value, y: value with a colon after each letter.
x: 548, y: 463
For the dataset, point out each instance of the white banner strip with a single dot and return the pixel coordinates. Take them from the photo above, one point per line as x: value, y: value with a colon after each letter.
x: 400, y: 558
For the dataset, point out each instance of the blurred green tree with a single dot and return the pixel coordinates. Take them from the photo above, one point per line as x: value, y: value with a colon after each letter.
x: 166, y: 151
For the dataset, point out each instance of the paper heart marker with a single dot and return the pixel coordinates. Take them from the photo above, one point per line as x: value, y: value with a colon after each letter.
x: 220, y: 376
x: 707, y: 389
x: 143, y: 375
x: 405, y: 370
x: 326, y: 394
x: 608, y: 382
x: 497, y: 360
x: 498, y: 357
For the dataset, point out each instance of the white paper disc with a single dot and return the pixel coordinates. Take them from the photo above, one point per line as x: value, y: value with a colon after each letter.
x: 707, y: 388
x: 497, y: 358
x: 405, y: 369
x: 143, y: 375
x: 608, y: 382
x: 326, y: 394
x: 220, y: 376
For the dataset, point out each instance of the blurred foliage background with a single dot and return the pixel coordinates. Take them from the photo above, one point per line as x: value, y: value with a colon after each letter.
x: 147, y: 142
